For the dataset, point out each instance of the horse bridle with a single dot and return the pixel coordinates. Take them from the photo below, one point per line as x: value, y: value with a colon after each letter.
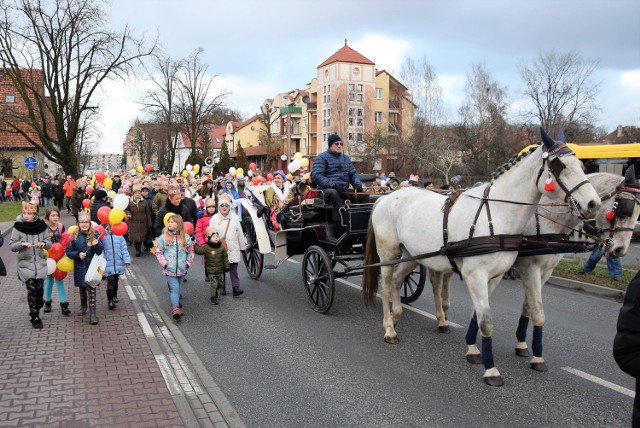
x: 551, y: 159
x: 622, y: 208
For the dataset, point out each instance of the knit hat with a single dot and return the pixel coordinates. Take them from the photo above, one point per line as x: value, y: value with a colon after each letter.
x: 174, y: 189
x: 281, y: 174
x: 224, y: 198
x: 209, y: 202
x: 333, y: 138
x: 100, y: 194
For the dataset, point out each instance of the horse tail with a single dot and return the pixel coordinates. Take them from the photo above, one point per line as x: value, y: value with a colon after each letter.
x: 371, y: 273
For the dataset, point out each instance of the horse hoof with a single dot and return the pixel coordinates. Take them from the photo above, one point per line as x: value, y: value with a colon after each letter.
x: 444, y: 329
x: 522, y: 352
x: 494, y: 380
x: 392, y: 340
x: 474, y: 359
x: 539, y: 367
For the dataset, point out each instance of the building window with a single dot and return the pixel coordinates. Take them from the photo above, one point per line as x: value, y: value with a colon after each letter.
x: 360, y: 112
x: 359, y: 97
x: 10, y: 98
x: 359, y: 137
x: 350, y: 136
x: 351, y: 87
x: 378, y: 93
x: 359, y: 87
x: 378, y: 117
x: 350, y: 121
x: 356, y: 71
x: 360, y: 122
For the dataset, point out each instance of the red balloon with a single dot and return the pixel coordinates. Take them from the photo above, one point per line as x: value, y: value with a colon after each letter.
x: 269, y: 177
x: 98, y: 228
x: 103, y: 214
x: 58, y: 274
x: 119, y: 229
x: 100, y: 176
x: 255, y: 181
x: 148, y: 167
x: 56, y: 251
x: 252, y: 166
x: 89, y: 190
x: 188, y: 227
x: 86, y: 203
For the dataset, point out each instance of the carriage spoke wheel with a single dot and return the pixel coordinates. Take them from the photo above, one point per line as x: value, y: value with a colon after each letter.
x: 252, y: 257
x: 317, y: 275
x: 413, y: 285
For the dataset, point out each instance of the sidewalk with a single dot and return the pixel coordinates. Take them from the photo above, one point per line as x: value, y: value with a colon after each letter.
x: 75, y: 374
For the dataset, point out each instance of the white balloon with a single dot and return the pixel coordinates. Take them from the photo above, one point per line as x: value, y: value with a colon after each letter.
x: 294, y: 166
x: 383, y: 182
x: 93, y: 223
x: 205, y: 170
x: 192, y: 173
x: 232, y: 171
x: 121, y: 201
x: 189, y: 167
x: 51, y: 266
x: 250, y: 173
x: 240, y: 176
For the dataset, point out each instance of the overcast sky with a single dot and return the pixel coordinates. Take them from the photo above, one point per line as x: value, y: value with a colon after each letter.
x: 261, y: 48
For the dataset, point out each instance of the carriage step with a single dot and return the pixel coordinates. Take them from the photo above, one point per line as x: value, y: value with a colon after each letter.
x: 271, y: 266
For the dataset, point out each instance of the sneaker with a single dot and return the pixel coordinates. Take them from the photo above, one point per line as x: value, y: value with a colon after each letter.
x: 214, y: 301
x: 237, y: 291
x: 112, y: 305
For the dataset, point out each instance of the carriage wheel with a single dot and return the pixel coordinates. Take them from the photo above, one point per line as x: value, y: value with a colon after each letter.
x: 317, y: 275
x: 252, y: 257
x: 413, y: 285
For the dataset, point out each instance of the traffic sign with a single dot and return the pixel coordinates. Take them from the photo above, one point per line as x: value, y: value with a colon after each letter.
x: 30, y: 162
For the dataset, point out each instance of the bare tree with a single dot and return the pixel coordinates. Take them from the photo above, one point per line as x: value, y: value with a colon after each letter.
x: 56, y: 54
x: 194, y: 98
x: 562, y: 91
x: 161, y: 102
x: 266, y: 117
x: 483, y: 128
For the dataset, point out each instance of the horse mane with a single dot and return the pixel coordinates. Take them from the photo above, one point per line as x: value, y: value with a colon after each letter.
x: 511, y: 162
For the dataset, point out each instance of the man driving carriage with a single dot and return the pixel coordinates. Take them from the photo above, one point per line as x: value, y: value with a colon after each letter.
x: 333, y: 172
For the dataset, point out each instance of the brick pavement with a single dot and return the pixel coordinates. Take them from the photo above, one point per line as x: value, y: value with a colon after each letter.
x: 74, y: 374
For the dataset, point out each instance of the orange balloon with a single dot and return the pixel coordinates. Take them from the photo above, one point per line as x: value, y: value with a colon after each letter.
x: 188, y: 227
x: 103, y: 214
x: 120, y: 229
x: 86, y: 203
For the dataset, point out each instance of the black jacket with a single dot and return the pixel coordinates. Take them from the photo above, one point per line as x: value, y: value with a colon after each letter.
x: 626, y: 345
x: 168, y: 207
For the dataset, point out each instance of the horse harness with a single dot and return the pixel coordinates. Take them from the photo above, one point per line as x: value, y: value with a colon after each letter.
x: 622, y: 207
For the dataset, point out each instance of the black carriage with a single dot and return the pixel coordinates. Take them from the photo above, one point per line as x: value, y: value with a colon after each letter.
x: 331, y: 249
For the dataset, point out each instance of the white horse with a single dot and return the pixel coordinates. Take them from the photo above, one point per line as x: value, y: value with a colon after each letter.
x: 535, y: 270
x: 411, y: 222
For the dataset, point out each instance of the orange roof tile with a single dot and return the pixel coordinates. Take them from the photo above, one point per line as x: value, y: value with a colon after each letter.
x: 347, y: 54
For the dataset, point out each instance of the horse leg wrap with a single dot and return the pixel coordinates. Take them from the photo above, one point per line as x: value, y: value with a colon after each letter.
x: 521, y: 332
x: 472, y: 331
x: 536, y: 343
x: 487, y: 353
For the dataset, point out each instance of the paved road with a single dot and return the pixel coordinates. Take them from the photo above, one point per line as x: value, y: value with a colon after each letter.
x: 282, y: 365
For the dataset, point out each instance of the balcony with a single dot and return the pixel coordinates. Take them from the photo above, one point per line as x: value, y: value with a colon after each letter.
x: 394, y: 106
x: 312, y: 107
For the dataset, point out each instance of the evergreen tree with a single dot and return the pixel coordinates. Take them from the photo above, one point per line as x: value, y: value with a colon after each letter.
x: 225, y: 160
x: 241, y: 159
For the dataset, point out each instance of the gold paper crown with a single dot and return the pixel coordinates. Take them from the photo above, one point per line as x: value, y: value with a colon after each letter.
x: 84, y: 216
x: 29, y: 208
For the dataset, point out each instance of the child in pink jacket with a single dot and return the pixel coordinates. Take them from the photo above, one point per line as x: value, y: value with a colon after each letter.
x: 203, y: 222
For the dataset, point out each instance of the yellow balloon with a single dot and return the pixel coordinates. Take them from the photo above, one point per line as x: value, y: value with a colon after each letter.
x: 65, y: 264
x: 297, y: 156
x: 185, y: 173
x: 111, y: 194
x: 239, y: 171
x: 108, y: 182
x: 196, y: 168
x: 133, y: 171
x: 72, y: 229
x: 140, y: 168
x: 289, y: 177
x: 92, y: 182
x: 165, y: 220
x: 116, y: 215
x: 46, y: 252
x: 304, y: 162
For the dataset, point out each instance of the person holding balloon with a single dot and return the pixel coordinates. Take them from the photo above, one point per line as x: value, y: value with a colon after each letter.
x: 84, y: 243
x: 117, y: 256
x: 29, y: 239
x: 59, y: 240
x: 172, y: 205
x: 139, y: 219
x: 99, y: 201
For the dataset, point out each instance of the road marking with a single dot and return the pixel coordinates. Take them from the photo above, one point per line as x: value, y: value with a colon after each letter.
x: 130, y: 293
x: 172, y: 383
x: 600, y: 381
x: 146, y: 327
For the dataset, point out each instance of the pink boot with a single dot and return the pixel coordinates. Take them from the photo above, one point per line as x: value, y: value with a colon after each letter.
x: 176, y: 311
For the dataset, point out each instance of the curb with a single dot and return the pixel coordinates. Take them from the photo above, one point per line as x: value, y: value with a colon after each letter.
x: 586, y: 287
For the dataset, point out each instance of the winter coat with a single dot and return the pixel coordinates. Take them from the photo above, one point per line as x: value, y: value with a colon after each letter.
x: 192, y: 209
x: 46, y: 190
x: 77, y: 196
x: 334, y: 169
x: 174, y: 259
x: 95, y: 206
x: 216, y: 259
x: 168, y: 207
x: 77, y: 246
x: 234, y: 235
x: 201, y: 228
x: 116, y: 185
x: 32, y: 262
x: 139, y: 220
x: 58, y: 191
x: 115, y: 253
x: 158, y: 202
x: 626, y: 345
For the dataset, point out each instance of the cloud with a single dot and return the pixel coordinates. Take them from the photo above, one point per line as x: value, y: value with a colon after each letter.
x: 387, y: 52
